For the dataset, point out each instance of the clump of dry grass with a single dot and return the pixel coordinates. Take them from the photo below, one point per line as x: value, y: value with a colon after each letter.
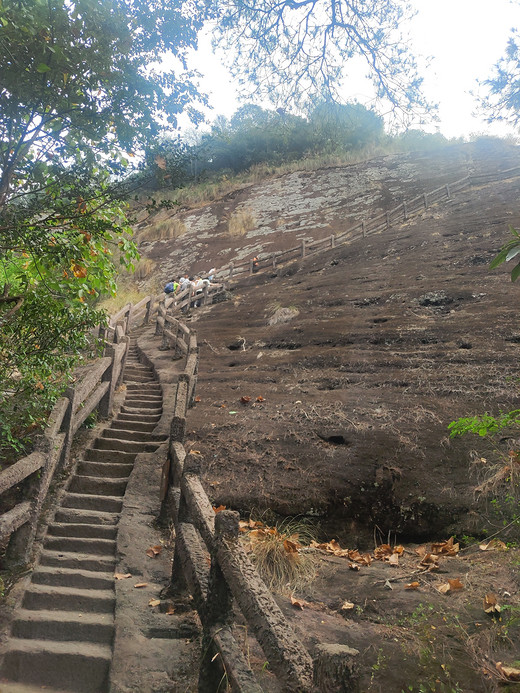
x: 280, y: 557
x: 143, y: 268
x: 124, y: 295
x: 165, y: 230
x: 241, y: 222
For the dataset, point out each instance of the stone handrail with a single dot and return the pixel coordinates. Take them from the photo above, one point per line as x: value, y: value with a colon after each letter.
x: 230, y: 575
x: 93, y: 389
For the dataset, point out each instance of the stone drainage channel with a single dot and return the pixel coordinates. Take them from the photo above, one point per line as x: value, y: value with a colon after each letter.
x: 62, y: 634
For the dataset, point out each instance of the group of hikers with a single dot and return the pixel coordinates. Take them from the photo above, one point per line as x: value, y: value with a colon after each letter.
x: 195, y: 284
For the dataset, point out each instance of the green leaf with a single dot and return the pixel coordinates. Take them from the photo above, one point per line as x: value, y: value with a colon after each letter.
x: 42, y: 67
x: 499, y: 259
x: 515, y: 273
x: 513, y: 253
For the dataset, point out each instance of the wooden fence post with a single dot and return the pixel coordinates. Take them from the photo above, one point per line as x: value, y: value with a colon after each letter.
x: 251, y: 263
x: 303, y: 248
x: 448, y: 191
x: 425, y: 197
x: 274, y: 262
x: 231, y: 266
x: 332, y: 240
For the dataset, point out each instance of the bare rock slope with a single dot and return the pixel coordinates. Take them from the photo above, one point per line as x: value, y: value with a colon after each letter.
x: 356, y: 359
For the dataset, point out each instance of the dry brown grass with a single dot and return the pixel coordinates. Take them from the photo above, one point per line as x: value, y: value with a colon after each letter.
x: 241, y: 222
x: 280, y: 557
x: 143, y: 268
x: 163, y: 231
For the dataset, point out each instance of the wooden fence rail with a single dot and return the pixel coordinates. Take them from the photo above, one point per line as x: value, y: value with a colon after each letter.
x: 376, y: 224
x: 92, y: 390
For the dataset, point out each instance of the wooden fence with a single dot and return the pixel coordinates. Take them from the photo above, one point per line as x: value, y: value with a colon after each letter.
x: 211, y: 563
x: 376, y: 224
x: 92, y: 390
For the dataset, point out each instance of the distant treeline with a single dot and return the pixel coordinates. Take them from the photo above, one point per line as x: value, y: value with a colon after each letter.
x: 254, y: 135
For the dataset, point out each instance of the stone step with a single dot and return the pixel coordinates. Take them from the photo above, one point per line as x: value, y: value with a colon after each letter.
x: 142, y: 394
x: 138, y: 403
x: 137, y: 378
x: 133, y: 425
x: 89, y: 517
x: 142, y: 411
x: 98, y: 486
x: 77, y: 529
x: 69, y: 666
x: 104, y: 469
x: 63, y: 625
x: 58, y: 598
x: 112, y: 456
x: 78, y: 561
x: 99, y: 503
x: 125, y: 445
x: 24, y: 688
x: 96, y: 547
x: 149, y: 388
x: 138, y: 436
x: 134, y: 365
x: 72, y: 577
x: 139, y: 418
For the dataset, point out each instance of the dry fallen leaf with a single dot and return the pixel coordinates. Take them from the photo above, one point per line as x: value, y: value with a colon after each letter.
x: 412, y: 586
x: 298, y: 603
x: 154, y: 602
x: 197, y: 399
x: 393, y: 559
x: 141, y: 584
x: 154, y: 551
x: 122, y: 576
x: 430, y: 561
x: 346, y: 606
x: 491, y: 605
x: 260, y: 399
x: 444, y: 588
x: 170, y: 610
x: 455, y: 584
x: 291, y: 546
x: 219, y: 508
x: 445, y: 548
x: 495, y: 544
x: 194, y: 452
x: 354, y: 566
x: 245, y: 399
x: 511, y: 673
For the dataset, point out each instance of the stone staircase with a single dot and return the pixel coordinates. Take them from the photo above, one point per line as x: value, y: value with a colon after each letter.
x: 62, y: 633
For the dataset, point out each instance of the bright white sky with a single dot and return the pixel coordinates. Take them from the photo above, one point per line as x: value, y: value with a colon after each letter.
x: 465, y: 38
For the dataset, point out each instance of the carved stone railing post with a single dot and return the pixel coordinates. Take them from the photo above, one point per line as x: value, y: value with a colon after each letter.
x: 219, y: 605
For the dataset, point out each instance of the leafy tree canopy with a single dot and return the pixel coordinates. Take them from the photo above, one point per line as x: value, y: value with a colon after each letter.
x: 81, y: 92
x: 299, y: 52
x: 502, y: 101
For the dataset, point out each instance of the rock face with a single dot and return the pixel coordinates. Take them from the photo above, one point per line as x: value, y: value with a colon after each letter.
x: 394, y: 336
x: 283, y: 211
